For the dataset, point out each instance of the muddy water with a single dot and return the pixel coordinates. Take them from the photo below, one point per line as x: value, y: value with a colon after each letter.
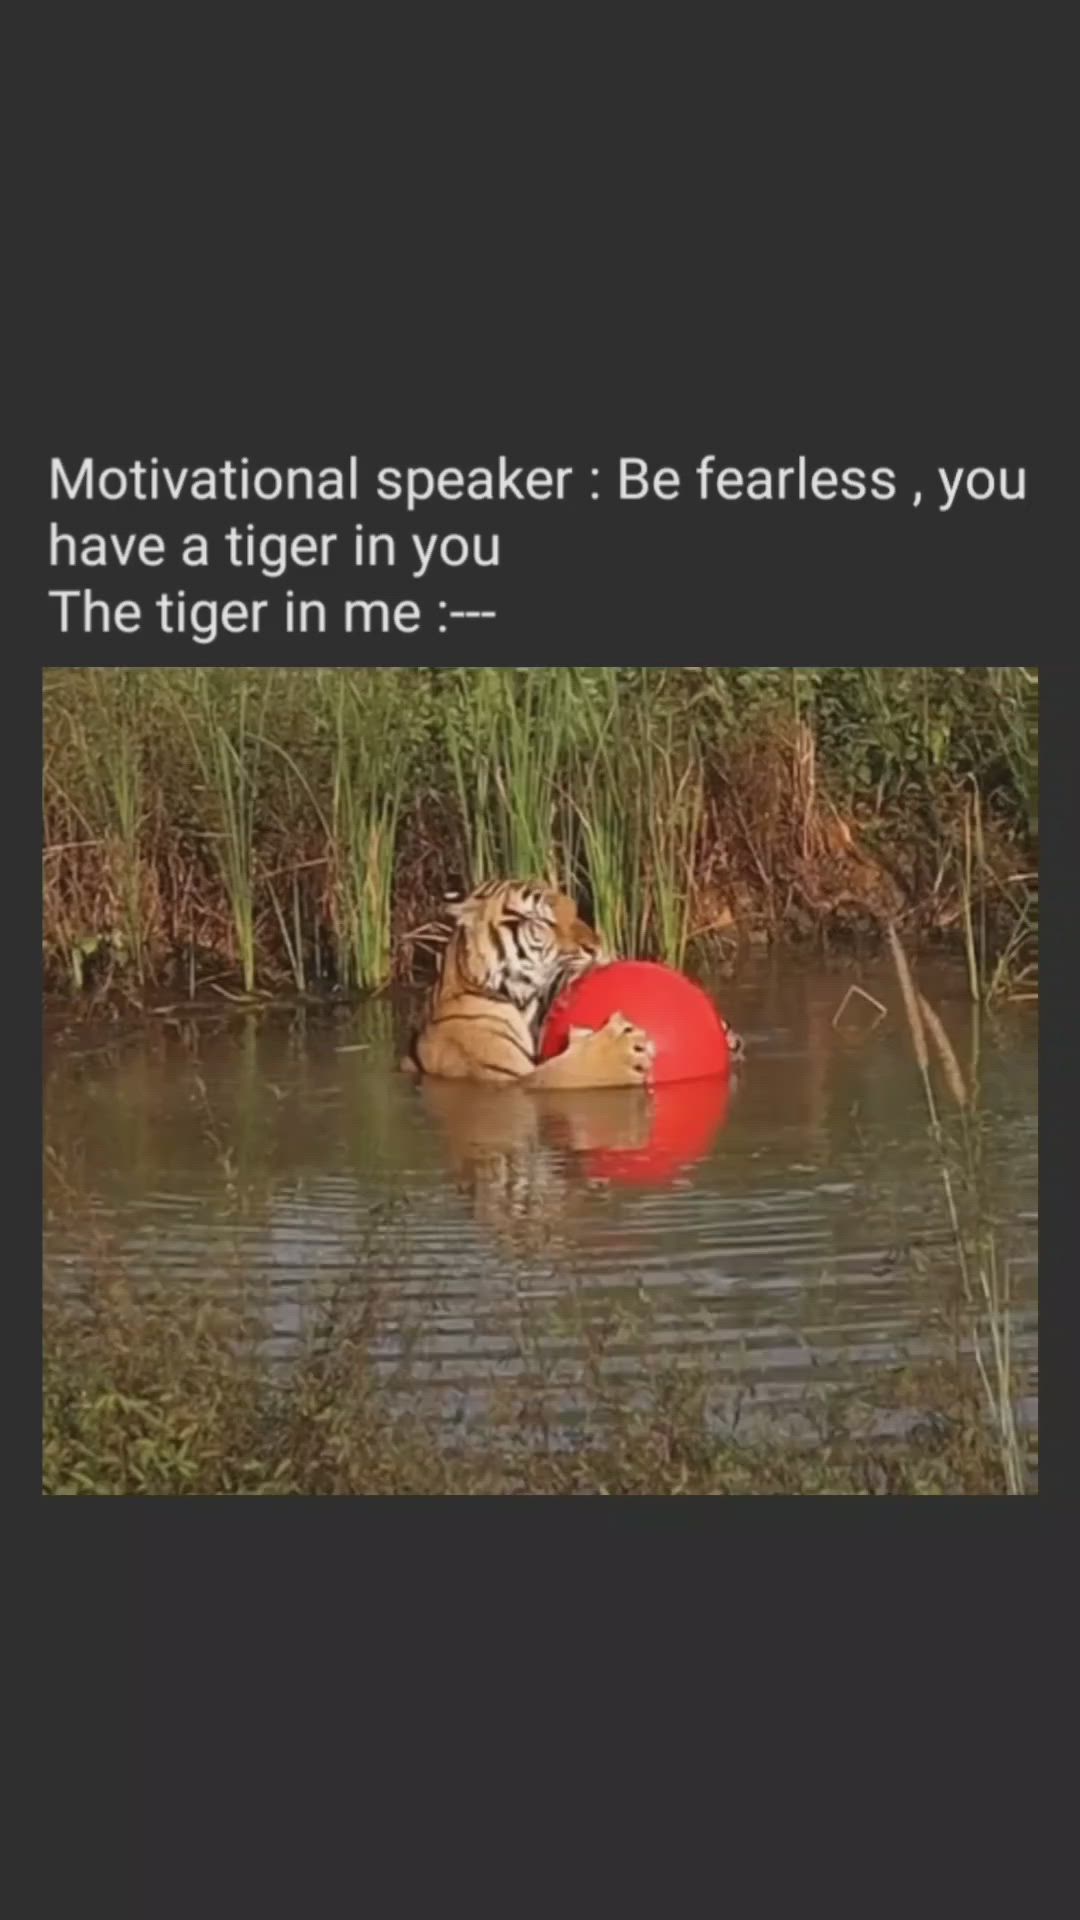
x: 787, y: 1235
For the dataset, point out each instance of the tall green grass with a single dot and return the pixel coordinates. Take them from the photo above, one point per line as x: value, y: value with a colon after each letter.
x: 509, y: 732
x: 983, y: 1277
x: 608, y: 816
x: 297, y: 823
x: 580, y: 778
x: 105, y: 804
x: 367, y: 792
x: 118, y: 778
x: 361, y: 770
x: 640, y: 819
x: 1015, y: 710
x: 227, y: 743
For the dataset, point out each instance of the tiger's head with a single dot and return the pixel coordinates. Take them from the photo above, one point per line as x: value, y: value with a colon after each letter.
x: 517, y: 940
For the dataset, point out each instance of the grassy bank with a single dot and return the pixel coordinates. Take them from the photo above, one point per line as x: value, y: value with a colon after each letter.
x: 291, y: 829
x: 159, y: 1397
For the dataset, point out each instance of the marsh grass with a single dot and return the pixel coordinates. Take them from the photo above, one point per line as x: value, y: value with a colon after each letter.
x: 116, y: 780
x: 1015, y: 712
x: 672, y: 781
x: 367, y: 791
x: 294, y: 824
x: 227, y: 745
x: 103, y: 808
x: 164, y: 1394
x: 983, y: 1278
x: 1012, y: 971
x: 606, y: 802
x: 640, y: 777
x: 508, y: 731
x: 292, y: 929
x: 571, y: 777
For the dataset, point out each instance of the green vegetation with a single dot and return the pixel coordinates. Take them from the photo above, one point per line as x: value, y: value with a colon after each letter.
x: 983, y: 1277
x: 289, y: 829
x: 165, y: 1395
x: 227, y: 747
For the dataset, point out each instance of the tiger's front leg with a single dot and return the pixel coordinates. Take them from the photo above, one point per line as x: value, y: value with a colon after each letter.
x: 617, y: 1054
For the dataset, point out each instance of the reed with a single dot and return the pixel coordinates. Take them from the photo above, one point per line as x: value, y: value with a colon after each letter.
x: 608, y: 815
x: 672, y: 784
x: 640, y: 815
x: 118, y: 779
x: 508, y: 733
x: 200, y: 818
x: 104, y: 803
x: 985, y: 1290
x: 1015, y: 720
x: 227, y: 744
x: 369, y: 771
x: 1010, y: 972
x: 471, y: 730
x: 292, y: 929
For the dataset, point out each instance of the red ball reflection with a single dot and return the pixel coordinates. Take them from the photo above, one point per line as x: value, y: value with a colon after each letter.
x: 686, y: 1120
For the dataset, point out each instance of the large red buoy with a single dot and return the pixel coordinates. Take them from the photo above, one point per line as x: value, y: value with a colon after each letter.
x: 687, y: 1031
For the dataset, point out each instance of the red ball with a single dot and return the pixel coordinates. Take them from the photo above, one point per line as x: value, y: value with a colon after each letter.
x: 686, y: 1029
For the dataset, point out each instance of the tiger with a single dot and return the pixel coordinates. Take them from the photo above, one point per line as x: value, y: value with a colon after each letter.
x: 521, y: 1160
x: 513, y: 946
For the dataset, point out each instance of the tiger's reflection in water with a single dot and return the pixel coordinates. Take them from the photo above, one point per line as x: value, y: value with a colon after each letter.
x: 517, y: 1155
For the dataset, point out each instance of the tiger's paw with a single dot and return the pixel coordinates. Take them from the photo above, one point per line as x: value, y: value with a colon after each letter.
x: 617, y: 1054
